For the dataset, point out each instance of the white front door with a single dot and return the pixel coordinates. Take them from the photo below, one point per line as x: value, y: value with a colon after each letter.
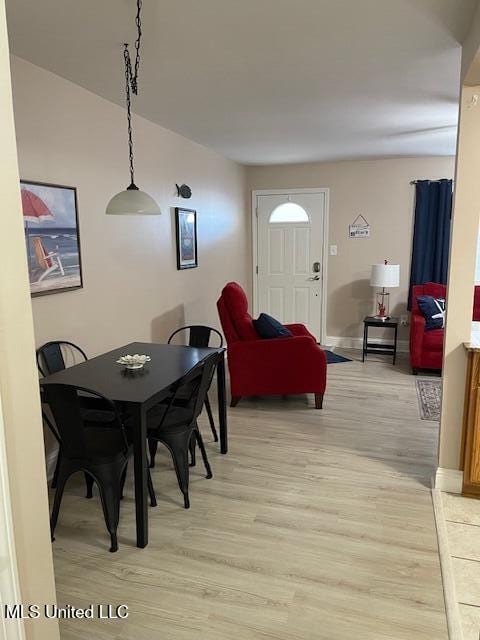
x: 290, y: 245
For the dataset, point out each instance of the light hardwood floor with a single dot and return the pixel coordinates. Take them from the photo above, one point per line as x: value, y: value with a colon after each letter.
x: 317, y: 525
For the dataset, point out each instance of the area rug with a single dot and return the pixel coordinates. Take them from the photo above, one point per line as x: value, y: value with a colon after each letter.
x: 429, y: 392
x: 333, y: 358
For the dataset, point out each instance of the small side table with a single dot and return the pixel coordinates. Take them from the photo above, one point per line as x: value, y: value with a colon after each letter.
x: 377, y: 347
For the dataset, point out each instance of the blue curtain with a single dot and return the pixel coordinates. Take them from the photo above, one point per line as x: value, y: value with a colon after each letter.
x: 431, y: 233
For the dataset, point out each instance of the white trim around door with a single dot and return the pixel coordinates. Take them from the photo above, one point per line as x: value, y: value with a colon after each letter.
x: 276, y: 192
x: 12, y: 629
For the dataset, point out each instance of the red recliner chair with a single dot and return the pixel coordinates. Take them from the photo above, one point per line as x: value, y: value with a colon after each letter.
x: 426, y: 347
x: 476, y: 304
x: 283, y: 366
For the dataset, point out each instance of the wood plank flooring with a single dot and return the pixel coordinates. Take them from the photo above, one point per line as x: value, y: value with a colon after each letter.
x: 317, y: 525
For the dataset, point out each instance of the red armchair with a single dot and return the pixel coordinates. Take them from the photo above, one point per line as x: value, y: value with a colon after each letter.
x: 426, y: 347
x: 284, y: 366
x: 476, y: 304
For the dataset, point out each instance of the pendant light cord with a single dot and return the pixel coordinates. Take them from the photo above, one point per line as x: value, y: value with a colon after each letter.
x: 131, y: 86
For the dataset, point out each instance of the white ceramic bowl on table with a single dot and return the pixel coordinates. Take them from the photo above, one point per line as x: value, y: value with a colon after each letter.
x: 133, y: 362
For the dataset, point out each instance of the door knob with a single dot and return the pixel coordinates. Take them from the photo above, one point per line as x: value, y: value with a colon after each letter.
x: 314, y: 278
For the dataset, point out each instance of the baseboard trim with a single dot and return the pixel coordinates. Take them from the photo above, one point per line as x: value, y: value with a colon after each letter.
x: 454, y: 623
x: 449, y: 480
x: 357, y: 343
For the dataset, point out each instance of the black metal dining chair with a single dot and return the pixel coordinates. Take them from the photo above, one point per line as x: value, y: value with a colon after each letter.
x: 95, y: 443
x: 177, y: 427
x: 51, y: 356
x: 50, y: 359
x: 201, y: 336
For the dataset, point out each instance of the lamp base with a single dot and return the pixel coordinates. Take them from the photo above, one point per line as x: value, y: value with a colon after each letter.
x: 382, y: 305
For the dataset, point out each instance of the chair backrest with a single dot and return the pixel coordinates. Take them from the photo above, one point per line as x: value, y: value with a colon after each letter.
x: 428, y: 289
x: 237, y: 323
x: 209, y: 366
x: 227, y: 325
x: 199, y: 336
x: 50, y: 357
x: 75, y: 423
x: 193, y: 388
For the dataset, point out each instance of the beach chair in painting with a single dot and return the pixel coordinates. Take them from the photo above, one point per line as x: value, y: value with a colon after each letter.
x: 48, y: 262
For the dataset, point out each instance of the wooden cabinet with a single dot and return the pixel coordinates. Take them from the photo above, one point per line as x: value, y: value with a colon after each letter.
x: 471, y: 426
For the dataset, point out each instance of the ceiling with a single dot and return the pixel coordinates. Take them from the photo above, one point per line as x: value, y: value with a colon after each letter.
x: 268, y: 81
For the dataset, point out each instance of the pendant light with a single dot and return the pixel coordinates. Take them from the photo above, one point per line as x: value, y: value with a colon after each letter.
x: 132, y: 200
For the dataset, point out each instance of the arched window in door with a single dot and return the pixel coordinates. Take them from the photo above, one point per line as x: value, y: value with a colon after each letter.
x: 288, y: 212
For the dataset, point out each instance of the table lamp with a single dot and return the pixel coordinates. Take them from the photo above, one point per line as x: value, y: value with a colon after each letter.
x: 385, y: 276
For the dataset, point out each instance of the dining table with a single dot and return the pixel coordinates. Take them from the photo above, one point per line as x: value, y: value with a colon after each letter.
x: 137, y: 391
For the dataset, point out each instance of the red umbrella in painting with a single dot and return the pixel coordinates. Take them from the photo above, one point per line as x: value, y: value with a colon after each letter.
x: 34, y: 208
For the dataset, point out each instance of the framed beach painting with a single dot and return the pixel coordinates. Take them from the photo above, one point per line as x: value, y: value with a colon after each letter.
x: 186, y: 232
x: 50, y: 218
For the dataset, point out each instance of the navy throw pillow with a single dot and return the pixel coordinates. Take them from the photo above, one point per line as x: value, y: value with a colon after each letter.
x: 268, y: 327
x: 433, y: 310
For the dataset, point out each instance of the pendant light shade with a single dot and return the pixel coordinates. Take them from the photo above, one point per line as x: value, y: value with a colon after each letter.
x: 132, y: 201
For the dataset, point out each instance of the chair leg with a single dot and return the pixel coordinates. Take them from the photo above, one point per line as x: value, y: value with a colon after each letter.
x: 235, y: 400
x: 109, y: 487
x: 57, y: 467
x: 319, y: 401
x: 89, y: 483
x: 151, y: 490
x: 62, y: 480
x: 201, y: 446
x: 123, y: 479
x: 180, y: 459
x: 178, y: 445
x: 191, y: 447
x: 210, y: 418
x: 152, y: 447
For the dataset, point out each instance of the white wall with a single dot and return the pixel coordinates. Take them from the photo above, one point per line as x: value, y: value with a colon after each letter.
x: 461, y: 277
x: 381, y: 191
x: 132, y: 289
x: 477, y: 260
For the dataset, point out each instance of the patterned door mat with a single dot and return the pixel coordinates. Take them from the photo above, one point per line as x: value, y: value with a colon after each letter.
x: 429, y: 392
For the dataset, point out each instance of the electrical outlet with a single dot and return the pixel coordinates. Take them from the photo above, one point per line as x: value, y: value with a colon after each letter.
x: 333, y: 249
x: 404, y: 321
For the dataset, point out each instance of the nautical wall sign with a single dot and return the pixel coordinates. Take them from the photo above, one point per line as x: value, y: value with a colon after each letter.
x: 359, y: 228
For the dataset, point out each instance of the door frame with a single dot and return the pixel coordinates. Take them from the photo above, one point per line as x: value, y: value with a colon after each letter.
x: 282, y: 192
x: 14, y: 629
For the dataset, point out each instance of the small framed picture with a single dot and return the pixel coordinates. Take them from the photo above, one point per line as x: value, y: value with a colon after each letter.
x: 186, y: 232
x: 52, y: 238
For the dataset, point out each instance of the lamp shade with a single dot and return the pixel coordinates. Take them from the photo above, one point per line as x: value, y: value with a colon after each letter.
x: 132, y: 202
x: 385, y: 275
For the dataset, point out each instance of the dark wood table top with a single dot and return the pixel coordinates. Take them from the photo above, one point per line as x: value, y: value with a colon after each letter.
x: 374, y: 321
x: 102, y: 374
